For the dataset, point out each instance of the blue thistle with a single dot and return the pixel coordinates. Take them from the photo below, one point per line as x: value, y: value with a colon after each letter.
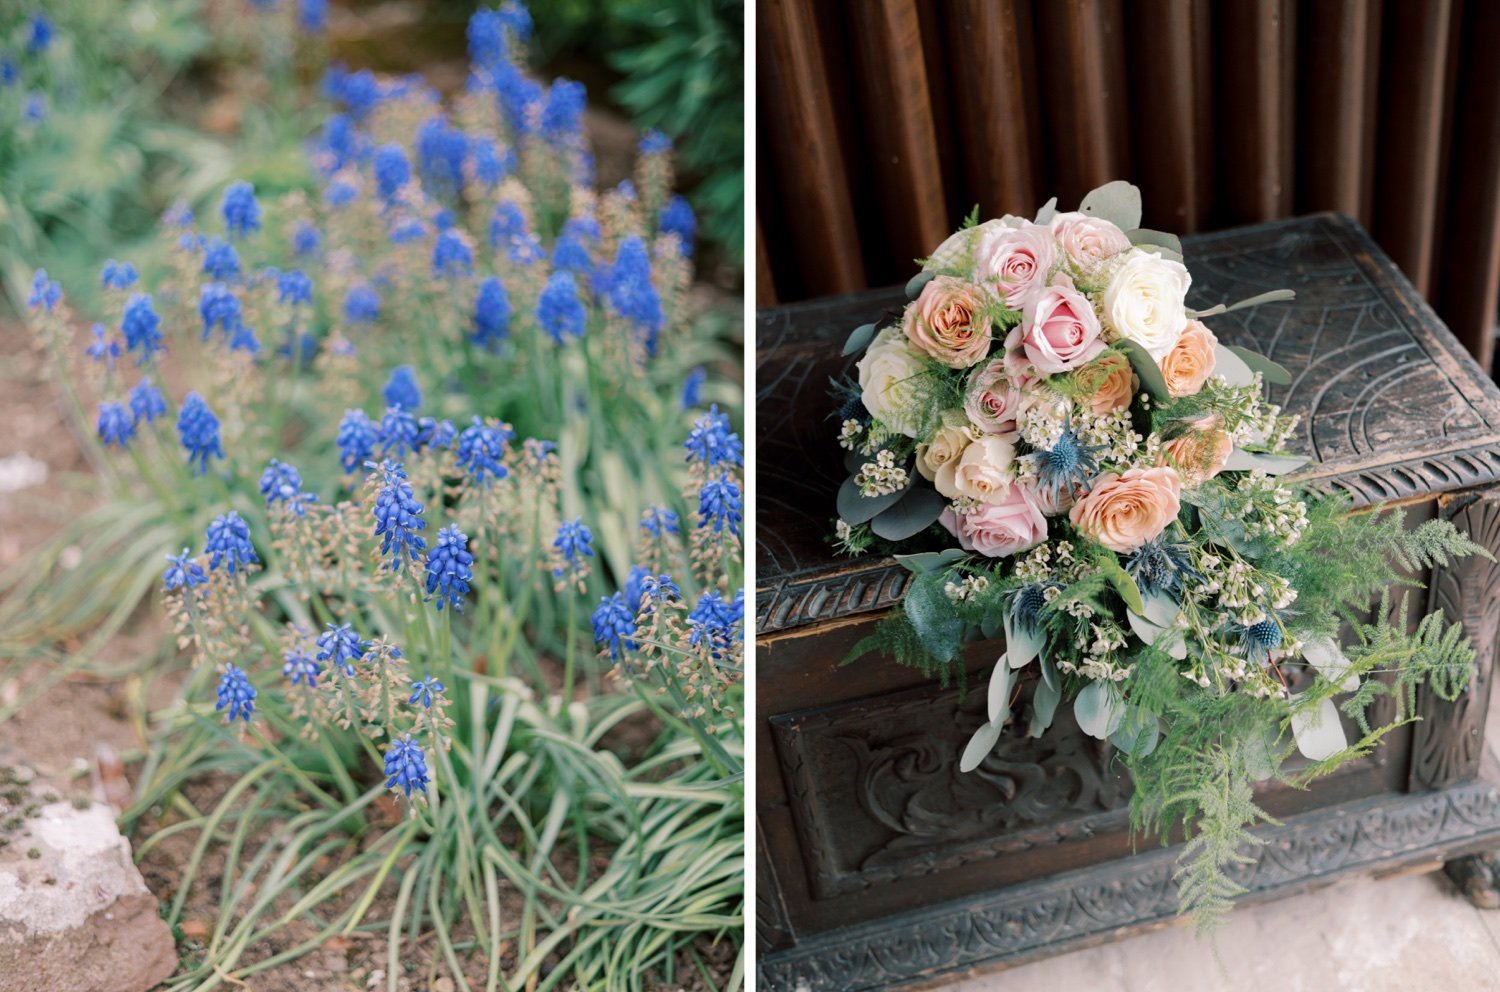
x: 401, y: 389
x: 341, y: 647
x: 117, y: 275
x: 282, y: 483
x: 361, y: 305
x: 183, y: 571
x: 220, y: 260
x: 424, y: 692
x: 677, y: 218
x: 146, y: 402
x: 1257, y: 640
x: 450, y: 568
x: 228, y: 543
x: 293, y: 287
x: 719, y: 503
x: 712, y: 443
x: 240, y: 210
x: 198, y: 430
x: 398, y: 516
x: 614, y: 625
x: 1160, y: 567
x: 356, y: 439
x: 481, y: 450
x: 235, y: 694
x: 1066, y: 465
x: 558, y: 309
x: 141, y: 327
x: 491, y: 313
x: 116, y: 427
x: 301, y: 668
x: 405, y: 767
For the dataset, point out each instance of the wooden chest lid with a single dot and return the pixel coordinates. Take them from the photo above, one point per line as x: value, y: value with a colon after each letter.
x: 1392, y: 406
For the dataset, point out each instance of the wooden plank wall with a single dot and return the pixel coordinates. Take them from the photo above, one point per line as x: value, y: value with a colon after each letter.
x: 884, y: 121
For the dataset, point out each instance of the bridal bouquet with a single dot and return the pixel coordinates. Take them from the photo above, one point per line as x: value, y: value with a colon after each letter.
x: 1077, y: 463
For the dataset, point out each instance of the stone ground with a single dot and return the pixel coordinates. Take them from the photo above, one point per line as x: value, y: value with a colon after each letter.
x: 1410, y: 933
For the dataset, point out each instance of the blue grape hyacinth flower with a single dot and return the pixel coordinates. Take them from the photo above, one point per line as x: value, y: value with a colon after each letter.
x: 183, y: 571
x: 282, y: 483
x: 632, y: 293
x: 357, y: 438
x: 451, y: 255
x: 392, y: 170
x: 117, y: 275
x: 558, y: 309
x: 450, y: 568
x: 398, y: 516
x: 240, y: 210
x: 219, y: 307
x: 405, y: 767
x: 301, y: 668
x: 562, y: 114
x: 677, y: 218
x: 401, y: 389
x: 235, y: 694
x: 574, y: 543
x: 141, y: 327
x: 361, y: 305
x: 399, y: 432
x: 101, y: 347
x: 198, y: 429
x: 614, y: 625
x: 45, y: 293
x: 146, y: 402
x: 228, y: 543
x: 341, y: 647
x: 481, y: 449
x: 491, y: 313
x: 659, y: 521
x: 425, y: 691
x: 653, y: 142
x: 220, y: 260
x: 692, y: 387
x: 293, y: 287
x: 116, y: 427
x: 720, y: 504
x: 712, y: 442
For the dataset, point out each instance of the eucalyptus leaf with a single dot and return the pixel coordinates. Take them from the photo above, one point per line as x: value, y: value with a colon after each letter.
x: 1231, y: 367
x: 979, y: 747
x: 853, y: 460
x: 1274, y: 296
x: 915, y: 283
x: 1318, y: 732
x: 1260, y: 363
x: 1259, y: 752
x: 1043, y: 708
x: 1118, y: 202
x: 856, y: 509
x: 1050, y: 676
x: 1099, y: 709
x: 999, y: 694
x: 1245, y: 461
x: 1159, y: 239
x: 1146, y: 368
x: 1048, y: 211
x: 1023, y: 646
x: 990, y: 627
x: 1325, y: 655
x: 917, y: 511
x: 931, y: 561
x: 937, y: 626
x: 1138, y: 732
x: 1123, y: 584
x: 859, y: 338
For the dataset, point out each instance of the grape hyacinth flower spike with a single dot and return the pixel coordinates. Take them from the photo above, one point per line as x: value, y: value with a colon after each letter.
x: 198, y: 429
x: 229, y: 544
x: 183, y: 571
x: 424, y: 691
x: 405, y: 767
x: 341, y: 647
x: 450, y: 568
x: 398, y: 516
x: 235, y: 694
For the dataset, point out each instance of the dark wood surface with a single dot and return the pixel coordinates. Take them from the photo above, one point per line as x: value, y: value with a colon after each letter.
x: 880, y: 864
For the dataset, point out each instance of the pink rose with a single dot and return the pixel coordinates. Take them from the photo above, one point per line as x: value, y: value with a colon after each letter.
x: 946, y: 323
x: 993, y: 402
x: 999, y: 529
x: 1016, y: 263
x: 1086, y: 240
x: 1060, y: 331
x: 1123, y: 512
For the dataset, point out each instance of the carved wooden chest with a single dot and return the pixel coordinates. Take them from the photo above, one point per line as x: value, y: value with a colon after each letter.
x: 881, y: 864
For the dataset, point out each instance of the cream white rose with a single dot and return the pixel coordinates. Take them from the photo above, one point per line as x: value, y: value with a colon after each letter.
x: 1145, y: 301
x: 984, y: 471
x: 937, y: 460
x: 890, y: 377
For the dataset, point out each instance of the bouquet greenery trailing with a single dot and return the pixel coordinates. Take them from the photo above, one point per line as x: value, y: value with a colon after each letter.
x: 1114, y: 480
x: 401, y: 444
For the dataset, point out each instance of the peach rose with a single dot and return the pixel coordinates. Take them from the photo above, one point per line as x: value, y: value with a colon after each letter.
x: 1111, y: 381
x: 993, y: 402
x: 1060, y: 330
x: 1001, y: 528
x: 1122, y: 512
x: 944, y: 322
x: 983, y: 471
x: 1016, y: 263
x: 1198, y: 454
x: 1088, y: 240
x: 1191, y: 361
